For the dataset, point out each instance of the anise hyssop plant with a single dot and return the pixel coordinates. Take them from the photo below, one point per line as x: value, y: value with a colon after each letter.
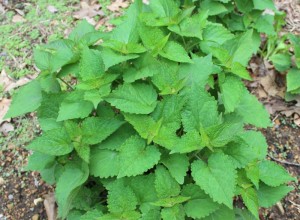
x: 147, y: 122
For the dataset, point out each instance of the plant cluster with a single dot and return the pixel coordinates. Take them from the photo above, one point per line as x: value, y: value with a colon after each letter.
x: 147, y: 121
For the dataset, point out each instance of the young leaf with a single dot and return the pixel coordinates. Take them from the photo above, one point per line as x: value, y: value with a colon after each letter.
x: 211, y: 176
x: 136, y: 158
x: 293, y: 80
x: 27, y: 99
x: 135, y: 98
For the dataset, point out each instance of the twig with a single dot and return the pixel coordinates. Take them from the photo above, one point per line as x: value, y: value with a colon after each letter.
x: 284, y: 162
x: 68, y: 85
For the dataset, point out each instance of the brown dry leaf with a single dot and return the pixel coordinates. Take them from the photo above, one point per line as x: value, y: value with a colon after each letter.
x: 269, y: 84
x: 20, y: 12
x: 297, y: 119
x: 8, y: 84
x: 18, y: 18
x: 4, y: 106
x: 88, y: 12
x: 117, y: 5
x: 49, y: 204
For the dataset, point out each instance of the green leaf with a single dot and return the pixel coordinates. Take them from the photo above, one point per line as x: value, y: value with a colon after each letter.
x: 112, y: 58
x: 130, y: 215
x: 249, y: 107
x: 165, y: 185
x: 135, y: 98
x: 124, y: 48
x: 273, y: 174
x: 170, y: 202
x: 175, y: 52
x: 243, y: 214
x: 216, y: 32
x: 93, y: 214
x: 244, y: 6
x: 268, y: 196
x: 56, y: 54
x: 201, y: 110
x: 295, y: 40
x: 264, y: 4
x: 293, y: 80
x: 197, y: 72
x: 221, y: 214
x: 211, y: 176
x: 164, y: 8
x: 252, y: 172
x: 74, y: 106
x: 74, y: 175
x: 177, y: 165
x: 281, y: 61
x: 239, y: 70
x: 144, y: 67
x: 121, y: 198
x: 83, y: 151
x: 170, y: 82
x: 104, y: 163
x: 231, y: 90
x: 189, y: 142
x: 200, y: 205
x: 91, y: 64
x: 213, y: 7
x: 115, y: 141
x: 80, y: 30
x: 39, y: 161
x: 27, y: 99
x: 191, y: 26
x: 173, y: 213
x: 54, y: 142
x: 265, y: 24
x: 257, y: 142
x: 136, y: 158
x: 250, y: 198
x: 143, y: 188
x: 92, y: 125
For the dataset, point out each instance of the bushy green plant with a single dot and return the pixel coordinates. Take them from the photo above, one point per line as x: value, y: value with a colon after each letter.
x: 147, y: 122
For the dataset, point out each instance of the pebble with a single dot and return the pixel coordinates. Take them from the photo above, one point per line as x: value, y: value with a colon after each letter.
x: 35, y: 217
x: 10, y: 206
x: 10, y: 197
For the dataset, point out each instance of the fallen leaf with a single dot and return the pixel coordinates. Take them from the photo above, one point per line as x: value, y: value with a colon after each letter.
x: 269, y: 84
x: 297, y: 119
x: 52, y: 9
x: 49, y: 204
x: 117, y: 5
x: 8, y: 83
x: 88, y: 12
x: 4, y: 106
x: 20, y: 12
x: 18, y: 18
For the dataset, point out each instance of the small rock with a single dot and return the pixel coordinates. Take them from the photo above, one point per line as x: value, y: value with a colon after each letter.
x: 35, y: 217
x: 52, y: 9
x: 10, y: 197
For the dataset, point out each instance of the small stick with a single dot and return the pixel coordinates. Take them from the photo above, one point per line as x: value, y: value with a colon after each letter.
x: 284, y: 162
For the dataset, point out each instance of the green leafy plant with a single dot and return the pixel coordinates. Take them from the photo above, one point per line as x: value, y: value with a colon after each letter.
x: 147, y: 121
